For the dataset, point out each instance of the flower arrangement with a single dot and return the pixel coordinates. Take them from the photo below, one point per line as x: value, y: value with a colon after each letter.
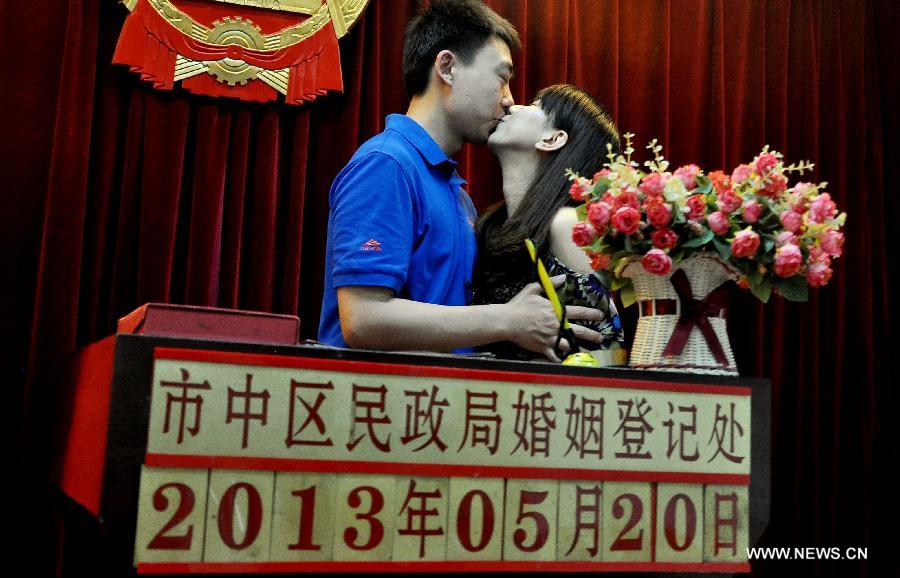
x: 779, y: 237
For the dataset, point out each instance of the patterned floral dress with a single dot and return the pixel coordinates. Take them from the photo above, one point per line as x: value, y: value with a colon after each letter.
x: 579, y: 289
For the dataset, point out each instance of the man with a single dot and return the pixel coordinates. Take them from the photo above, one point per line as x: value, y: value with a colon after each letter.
x: 400, y: 241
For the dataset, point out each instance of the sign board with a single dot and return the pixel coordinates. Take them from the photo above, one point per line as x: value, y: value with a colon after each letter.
x: 269, y: 463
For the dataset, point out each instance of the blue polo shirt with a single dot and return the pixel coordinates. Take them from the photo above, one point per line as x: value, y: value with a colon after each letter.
x: 399, y: 219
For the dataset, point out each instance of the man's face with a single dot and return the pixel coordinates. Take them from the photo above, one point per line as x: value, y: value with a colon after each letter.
x: 480, y: 92
x: 521, y: 129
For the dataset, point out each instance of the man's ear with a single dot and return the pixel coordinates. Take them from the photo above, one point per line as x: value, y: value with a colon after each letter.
x: 443, y: 66
x: 555, y: 141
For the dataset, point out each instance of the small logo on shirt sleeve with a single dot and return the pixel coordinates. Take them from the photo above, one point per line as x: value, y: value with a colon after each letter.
x: 370, y: 245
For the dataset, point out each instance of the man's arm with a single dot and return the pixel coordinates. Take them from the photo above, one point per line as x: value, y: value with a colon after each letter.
x: 372, y: 318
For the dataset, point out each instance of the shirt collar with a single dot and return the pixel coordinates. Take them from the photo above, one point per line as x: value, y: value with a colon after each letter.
x: 421, y: 140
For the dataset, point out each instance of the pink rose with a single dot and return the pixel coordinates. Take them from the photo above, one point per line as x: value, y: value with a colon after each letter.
x: 798, y: 203
x: 822, y: 208
x: 832, y: 242
x: 751, y: 211
x: 728, y: 201
x: 659, y: 213
x: 583, y: 234
x: 745, y: 244
x: 804, y: 189
x: 627, y: 220
x: 792, y: 221
x: 599, y: 214
x: 765, y: 163
x: 718, y: 222
x: 653, y: 184
x: 785, y: 238
x: 788, y: 260
x: 580, y: 189
x: 776, y: 185
x: 600, y: 260
x: 688, y: 175
x: 601, y: 173
x: 720, y: 181
x: 818, y: 274
x: 664, y: 238
x: 697, y: 206
x: 741, y: 174
x: 817, y: 253
x: 656, y: 262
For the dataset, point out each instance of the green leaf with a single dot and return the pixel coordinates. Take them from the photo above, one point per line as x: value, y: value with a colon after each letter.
x: 704, y: 185
x: 626, y: 294
x: 723, y: 248
x: 601, y: 186
x: 629, y: 246
x: 699, y: 241
x: 760, y: 287
x: 793, y: 288
x: 581, y: 212
x: 606, y: 278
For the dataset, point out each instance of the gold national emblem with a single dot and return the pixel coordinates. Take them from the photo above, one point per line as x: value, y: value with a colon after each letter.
x: 289, y: 46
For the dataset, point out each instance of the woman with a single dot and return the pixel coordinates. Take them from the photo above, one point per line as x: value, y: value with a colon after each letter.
x: 563, y: 129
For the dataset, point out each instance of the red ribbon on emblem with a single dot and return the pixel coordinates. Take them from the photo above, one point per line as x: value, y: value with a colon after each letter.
x: 696, y: 313
x: 150, y: 45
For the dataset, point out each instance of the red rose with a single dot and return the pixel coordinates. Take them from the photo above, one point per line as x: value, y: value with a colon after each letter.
x: 741, y: 174
x: 659, y: 213
x: 728, y: 201
x: 777, y: 184
x: 627, y: 198
x: 765, y: 163
x: 718, y: 222
x: 653, y: 184
x: 818, y: 274
x: 600, y: 260
x: 583, y: 234
x: 599, y: 214
x: 627, y: 220
x: 664, y: 238
x: 580, y: 189
x: 697, y: 206
x: 792, y: 221
x: 688, y: 175
x: 832, y: 242
x: 657, y: 262
x: 788, y: 260
x: 822, y: 208
x: 751, y: 211
x: 745, y: 244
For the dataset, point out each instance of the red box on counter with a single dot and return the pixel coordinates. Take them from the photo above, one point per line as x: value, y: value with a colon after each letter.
x: 211, y: 323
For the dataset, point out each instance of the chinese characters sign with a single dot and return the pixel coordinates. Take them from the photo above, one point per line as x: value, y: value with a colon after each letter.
x: 442, y: 420
x: 262, y: 464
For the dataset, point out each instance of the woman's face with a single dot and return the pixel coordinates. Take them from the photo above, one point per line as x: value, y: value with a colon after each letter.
x: 521, y: 129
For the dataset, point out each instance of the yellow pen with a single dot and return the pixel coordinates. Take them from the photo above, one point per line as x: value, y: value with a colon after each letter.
x: 577, y: 357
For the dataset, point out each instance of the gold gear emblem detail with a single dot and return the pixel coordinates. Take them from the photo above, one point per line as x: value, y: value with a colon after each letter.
x: 243, y: 33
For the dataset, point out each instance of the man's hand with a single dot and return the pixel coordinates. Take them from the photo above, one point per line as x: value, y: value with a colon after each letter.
x: 534, y: 326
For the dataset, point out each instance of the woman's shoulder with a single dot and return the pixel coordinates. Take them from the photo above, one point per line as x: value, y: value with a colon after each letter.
x: 561, y: 245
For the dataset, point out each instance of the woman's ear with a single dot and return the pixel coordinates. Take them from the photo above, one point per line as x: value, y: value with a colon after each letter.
x: 443, y: 66
x: 555, y: 141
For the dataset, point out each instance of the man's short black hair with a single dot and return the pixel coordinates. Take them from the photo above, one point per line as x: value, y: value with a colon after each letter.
x: 461, y: 26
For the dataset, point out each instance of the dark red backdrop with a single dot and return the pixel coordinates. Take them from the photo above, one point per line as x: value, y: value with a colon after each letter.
x: 116, y: 195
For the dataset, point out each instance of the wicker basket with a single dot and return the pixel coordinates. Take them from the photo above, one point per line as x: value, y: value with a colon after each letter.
x: 705, y: 272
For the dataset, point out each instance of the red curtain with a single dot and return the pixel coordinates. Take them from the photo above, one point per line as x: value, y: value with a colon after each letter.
x: 117, y: 195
